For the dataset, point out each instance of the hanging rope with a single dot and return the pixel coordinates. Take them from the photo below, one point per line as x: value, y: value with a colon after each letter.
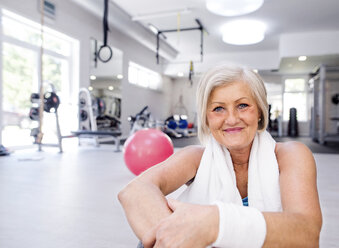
x: 41, y: 90
x: 178, y: 28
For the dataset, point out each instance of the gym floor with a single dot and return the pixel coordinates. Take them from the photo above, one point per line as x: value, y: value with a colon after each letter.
x: 66, y: 200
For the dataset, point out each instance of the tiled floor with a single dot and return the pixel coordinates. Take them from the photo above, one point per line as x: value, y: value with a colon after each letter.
x: 66, y: 200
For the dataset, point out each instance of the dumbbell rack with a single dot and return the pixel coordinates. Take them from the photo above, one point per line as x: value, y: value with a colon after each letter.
x: 59, y: 136
x: 34, y: 132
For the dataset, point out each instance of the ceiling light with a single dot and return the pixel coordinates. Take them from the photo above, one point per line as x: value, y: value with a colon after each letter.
x: 180, y: 74
x: 92, y: 77
x: 119, y: 76
x: 233, y: 7
x: 255, y: 70
x: 90, y: 88
x: 243, y: 32
x: 111, y: 87
x: 302, y: 58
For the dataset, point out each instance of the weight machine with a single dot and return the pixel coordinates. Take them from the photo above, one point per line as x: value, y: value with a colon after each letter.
x: 89, y: 110
x: 324, y: 102
x: 50, y: 104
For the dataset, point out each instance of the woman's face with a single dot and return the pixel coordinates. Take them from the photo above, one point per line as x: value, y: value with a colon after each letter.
x: 233, y: 115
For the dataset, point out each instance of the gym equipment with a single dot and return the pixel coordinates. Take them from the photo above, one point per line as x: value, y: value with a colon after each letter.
x: 38, y: 138
x: 34, y: 114
x: 275, y: 125
x: 115, y: 136
x: 94, y: 124
x: 106, y: 122
x: 101, y: 106
x: 200, y: 27
x: 191, y: 73
x: 335, y: 99
x: 51, y: 102
x: 3, y: 151
x: 35, y: 97
x: 146, y: 148
x: 183, y: 124
x: 324, y: 104
x: 172, y: 124
x: 83, y: 115
x: 170, y: 127
x: 140, y: 121
x: 105, y: 53
x: 45, y: 101
x: 87, y: 111
x: 293, y: 123
x: 113, y: 106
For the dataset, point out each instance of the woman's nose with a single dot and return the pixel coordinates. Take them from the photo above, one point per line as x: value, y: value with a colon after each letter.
x: 232, y: 118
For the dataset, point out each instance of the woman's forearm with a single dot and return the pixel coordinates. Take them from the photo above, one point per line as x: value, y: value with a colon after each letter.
x: 291, y: 230
x: 145, y: 206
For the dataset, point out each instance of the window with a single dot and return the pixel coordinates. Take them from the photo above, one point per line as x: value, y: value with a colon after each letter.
x: 295, y: 97
x: 20, y: 51
x: 144, y: 77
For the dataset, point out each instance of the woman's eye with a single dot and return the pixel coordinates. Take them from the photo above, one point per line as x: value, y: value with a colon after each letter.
x: 242, y: 105
x: 218, y: 109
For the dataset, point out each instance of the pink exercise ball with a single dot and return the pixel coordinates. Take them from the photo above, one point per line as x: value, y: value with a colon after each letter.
x: 145, y: 148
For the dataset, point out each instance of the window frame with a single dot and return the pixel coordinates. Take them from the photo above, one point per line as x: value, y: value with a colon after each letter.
x: 147, y: 73
x: 71, y: 83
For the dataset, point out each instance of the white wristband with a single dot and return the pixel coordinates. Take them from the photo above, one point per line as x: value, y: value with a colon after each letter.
x: 240, y: 226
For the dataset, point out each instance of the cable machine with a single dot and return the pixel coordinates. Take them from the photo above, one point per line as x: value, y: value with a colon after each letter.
x: 325, y: 104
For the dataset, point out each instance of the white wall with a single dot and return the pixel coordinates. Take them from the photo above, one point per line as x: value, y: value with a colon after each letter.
x: 82, y: 25
x: 309, y: 44
x: 1, y: 112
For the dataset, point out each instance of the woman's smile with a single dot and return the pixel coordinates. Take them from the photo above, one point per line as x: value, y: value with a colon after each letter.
x: 233, y: 130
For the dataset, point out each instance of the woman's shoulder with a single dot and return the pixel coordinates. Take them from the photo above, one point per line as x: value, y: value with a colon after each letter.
x: 291, y: 153
x: 285, y: 148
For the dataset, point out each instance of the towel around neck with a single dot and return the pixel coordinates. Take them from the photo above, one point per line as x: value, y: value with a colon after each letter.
x: 216, y: 181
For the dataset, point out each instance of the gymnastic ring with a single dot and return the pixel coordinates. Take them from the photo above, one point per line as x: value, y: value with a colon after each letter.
x: 110, y: 53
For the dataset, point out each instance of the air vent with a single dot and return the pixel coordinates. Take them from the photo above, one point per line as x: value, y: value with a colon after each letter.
x: 49, y: 9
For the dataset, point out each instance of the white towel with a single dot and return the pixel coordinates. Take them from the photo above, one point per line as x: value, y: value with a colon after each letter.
x: 215, y: 179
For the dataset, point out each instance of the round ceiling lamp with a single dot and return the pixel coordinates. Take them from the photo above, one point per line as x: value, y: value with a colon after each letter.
x: 243, y: 32
x: 233, y: 7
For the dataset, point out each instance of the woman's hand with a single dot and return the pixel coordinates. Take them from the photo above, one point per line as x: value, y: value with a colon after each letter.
x: 190, y: 225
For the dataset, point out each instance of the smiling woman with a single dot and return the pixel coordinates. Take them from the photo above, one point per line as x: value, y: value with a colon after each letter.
x: 245, y: 190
